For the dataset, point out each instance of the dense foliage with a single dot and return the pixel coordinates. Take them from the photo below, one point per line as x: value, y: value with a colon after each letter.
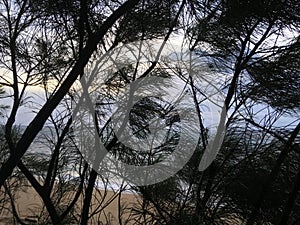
x: 249, y: 49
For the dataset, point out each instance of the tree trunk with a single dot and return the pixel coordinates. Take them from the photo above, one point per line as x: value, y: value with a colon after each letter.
x: 38, y: 122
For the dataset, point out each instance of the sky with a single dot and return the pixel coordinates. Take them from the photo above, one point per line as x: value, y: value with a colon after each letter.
x: 35, y: 95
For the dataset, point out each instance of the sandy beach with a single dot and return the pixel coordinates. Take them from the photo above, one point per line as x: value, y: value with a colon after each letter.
x: 30, y: 207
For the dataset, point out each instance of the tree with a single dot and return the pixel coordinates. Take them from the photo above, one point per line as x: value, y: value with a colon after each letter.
x: 16, y: 58
x: 41, y: 118
x: 244, y: 41
x: 53, y: 44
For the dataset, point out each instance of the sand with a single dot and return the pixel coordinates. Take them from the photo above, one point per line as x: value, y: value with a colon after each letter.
x: 30, y: 207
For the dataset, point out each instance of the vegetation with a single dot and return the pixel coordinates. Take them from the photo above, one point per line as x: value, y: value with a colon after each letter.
x: 249, y: 49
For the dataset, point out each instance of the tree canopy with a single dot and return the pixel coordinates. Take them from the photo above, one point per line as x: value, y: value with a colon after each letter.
x: 236, y: 58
